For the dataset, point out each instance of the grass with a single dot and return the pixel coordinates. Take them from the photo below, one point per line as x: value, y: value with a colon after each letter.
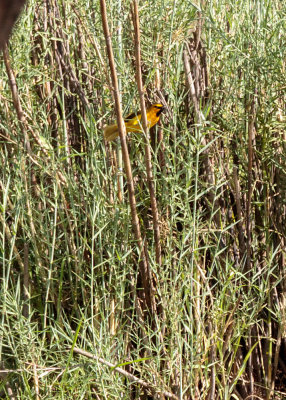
x: 71, y: 267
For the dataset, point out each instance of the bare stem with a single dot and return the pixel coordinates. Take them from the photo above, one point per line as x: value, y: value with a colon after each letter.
x: 251, y: 121
x: 148, y: 162
x: 144, y: 265
x: 131, y: 377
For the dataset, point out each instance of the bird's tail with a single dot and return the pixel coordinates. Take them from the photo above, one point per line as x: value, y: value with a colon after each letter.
x: 110, y: 132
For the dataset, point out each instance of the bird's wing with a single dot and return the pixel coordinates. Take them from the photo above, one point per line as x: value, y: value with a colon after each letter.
x: 133, y: 115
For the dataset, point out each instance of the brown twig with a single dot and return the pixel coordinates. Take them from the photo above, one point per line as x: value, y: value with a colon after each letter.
x: 26, y: 281
x: 274, y: 366
x: 22, y: 120
x: 251, y: 120
x: 190, y: 82
x: 237, y: 197
x: 207, y: 161
x: 93, y: 42
x: 144, y: 264
x: 148, y: 162
x: 36, y: 382
x: 15, y: 96
x: 9, y: 236
x: 212, y: 390
x: 73, y: 79
x: 129, y: 376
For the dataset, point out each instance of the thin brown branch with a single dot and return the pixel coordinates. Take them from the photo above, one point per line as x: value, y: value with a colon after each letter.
x: 9, y: 236
x: 73, y: 79
x: 274, y: 366
x: 26, y: 281
x: 148, y: 162
x: 190, y: 83
x: 22, y: 120
x: 92, y: 41
x: 237, y: 196
x: 144, y: 265
x: 129, y: 376
x: 15, y: 96
x: 198, y: 32
x: 251, y: 133
x: 36, y: 382
x: 212, y: 390
x: 207, y: 161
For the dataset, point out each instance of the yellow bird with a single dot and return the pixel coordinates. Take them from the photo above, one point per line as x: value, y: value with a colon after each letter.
x: 133, y: 122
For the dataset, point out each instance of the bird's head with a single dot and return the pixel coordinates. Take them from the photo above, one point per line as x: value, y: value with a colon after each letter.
x: 158, y: 108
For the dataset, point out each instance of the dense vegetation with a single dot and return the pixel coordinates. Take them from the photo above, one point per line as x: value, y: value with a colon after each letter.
x: 198, y: 313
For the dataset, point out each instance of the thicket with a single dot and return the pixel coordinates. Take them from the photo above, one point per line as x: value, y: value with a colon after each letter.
x: 181, y: 295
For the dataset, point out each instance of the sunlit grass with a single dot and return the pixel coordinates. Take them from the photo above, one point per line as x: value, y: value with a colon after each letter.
x: 74, y: 235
